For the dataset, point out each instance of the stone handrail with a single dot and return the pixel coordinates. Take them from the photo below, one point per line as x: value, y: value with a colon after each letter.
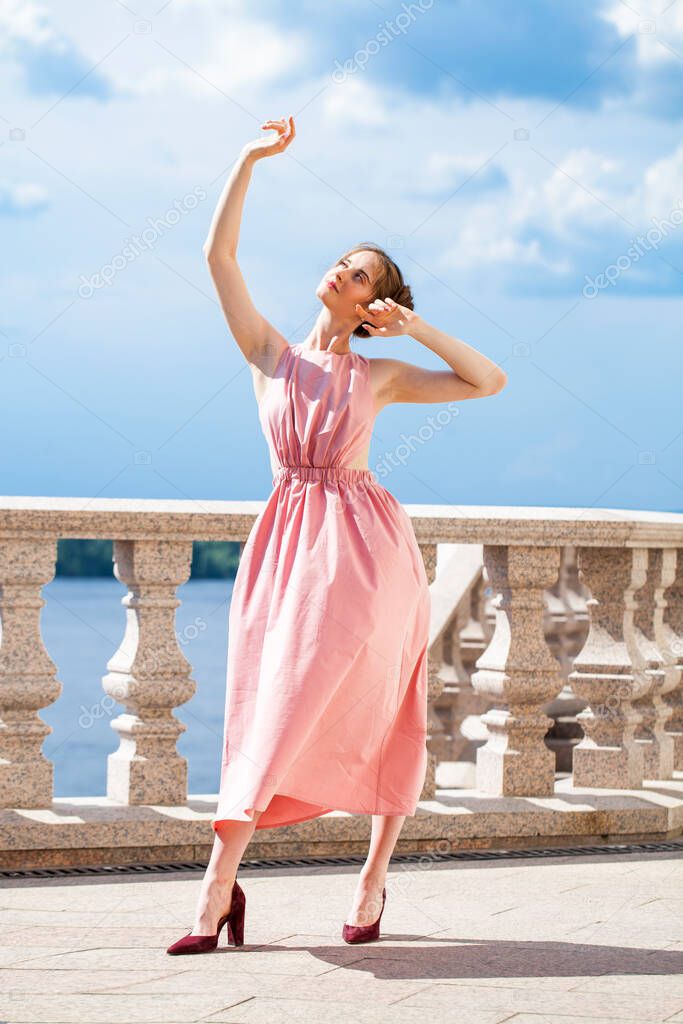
x: 627, y: 675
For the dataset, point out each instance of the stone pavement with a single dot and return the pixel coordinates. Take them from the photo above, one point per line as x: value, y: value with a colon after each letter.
x: 566, y: 939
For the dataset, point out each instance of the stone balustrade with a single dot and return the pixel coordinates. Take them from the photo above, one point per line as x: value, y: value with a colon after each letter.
x: 537, y: 613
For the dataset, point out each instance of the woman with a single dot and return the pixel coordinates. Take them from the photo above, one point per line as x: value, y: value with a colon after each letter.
x: 326, y: 698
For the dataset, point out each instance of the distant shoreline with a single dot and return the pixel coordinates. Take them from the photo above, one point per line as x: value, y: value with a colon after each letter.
x: 94, y: 558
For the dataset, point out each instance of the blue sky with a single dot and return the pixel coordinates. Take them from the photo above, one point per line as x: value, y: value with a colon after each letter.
x: 523, y: 163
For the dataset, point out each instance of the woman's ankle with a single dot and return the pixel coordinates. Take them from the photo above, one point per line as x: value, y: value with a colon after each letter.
x: 372, y: 877
x: 213, y: 903
x: 219, y: 881
x: 215, y: 892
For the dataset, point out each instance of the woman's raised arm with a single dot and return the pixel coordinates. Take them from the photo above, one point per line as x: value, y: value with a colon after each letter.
x: 258, y: 340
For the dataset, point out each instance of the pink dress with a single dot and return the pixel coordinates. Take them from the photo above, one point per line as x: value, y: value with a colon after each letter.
x: 326, y: 703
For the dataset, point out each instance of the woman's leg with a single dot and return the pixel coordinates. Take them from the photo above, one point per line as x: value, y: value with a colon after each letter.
x: 230, y: 842
x: 368, y: 898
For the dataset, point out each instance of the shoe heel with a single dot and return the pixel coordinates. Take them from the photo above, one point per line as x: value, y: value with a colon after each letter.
x: 236, y: 918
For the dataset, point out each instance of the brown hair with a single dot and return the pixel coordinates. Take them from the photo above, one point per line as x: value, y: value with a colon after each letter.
x: 389, y: 284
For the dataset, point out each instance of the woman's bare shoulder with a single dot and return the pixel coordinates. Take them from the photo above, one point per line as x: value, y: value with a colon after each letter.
x: 381, y: 371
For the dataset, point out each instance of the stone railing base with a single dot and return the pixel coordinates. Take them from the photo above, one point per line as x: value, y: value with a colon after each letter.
x: 96, y: 831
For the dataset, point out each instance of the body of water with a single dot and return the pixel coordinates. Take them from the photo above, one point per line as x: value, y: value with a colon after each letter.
x: 83, y: 624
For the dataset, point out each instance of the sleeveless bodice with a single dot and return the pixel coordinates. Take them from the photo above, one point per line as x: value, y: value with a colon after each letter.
x: 317, y: 413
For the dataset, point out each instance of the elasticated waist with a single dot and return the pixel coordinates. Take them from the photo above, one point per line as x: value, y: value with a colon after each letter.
x: 341, y: 473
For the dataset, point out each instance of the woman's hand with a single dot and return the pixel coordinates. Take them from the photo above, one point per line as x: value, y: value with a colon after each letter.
x: 386, y: 318
x: 270, y: 145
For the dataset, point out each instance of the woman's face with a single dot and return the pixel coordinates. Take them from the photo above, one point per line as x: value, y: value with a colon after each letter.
x: 352, y: 280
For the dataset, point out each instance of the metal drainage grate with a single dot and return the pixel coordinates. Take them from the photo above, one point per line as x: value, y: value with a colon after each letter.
x: 674, y: 846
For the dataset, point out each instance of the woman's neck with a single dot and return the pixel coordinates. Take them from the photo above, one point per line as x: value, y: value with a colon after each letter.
x: 329, y: 335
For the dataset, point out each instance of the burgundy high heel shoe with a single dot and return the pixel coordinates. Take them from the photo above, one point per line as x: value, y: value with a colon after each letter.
x: 205, y: 943
x: 364, y: 932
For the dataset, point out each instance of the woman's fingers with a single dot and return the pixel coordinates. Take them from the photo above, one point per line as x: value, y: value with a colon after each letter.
x: 370, y: 315
x: 281, y: 120
x: 366, y: 319
x: 285, y: 129
x: 379, y: 310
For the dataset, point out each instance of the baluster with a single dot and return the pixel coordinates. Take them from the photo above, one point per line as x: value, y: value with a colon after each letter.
x: 27, y: 673
x: 149, y: 675
x: 474, y: 639
x: 608, y: 755
x: 658, y: 746
x: 673, y: 646
x: 566, y: 634
x: 470, y: 639
x: 519, y: 672
x: 669, y: 634
x: 673, y: 626
x: 435, y: 686
x: 444, y: 704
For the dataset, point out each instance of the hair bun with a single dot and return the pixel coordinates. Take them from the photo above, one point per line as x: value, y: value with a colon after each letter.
x: 404, y: 297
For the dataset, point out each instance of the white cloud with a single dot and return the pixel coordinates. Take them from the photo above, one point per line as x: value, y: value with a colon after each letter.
x: 200, y: 46
x: 484, y: 242
x: 568, y: 195
x: 355, y: 101
x: 658, y: 37
x: 21, y: 197
x: 249, y: 53
x: 445, y: 170
x: 25, y: 22
x: 662, y: 187
x: 558, y: 207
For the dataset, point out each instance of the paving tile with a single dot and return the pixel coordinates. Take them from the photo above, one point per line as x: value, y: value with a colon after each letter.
x: 544, y: 1018
x: 29, y: 980
x: 122, y: 1009
x: 102, y: 957
x: 292, y: 1011
x: 458, y: 999
x: 73, y: 937
x: 666, y: 976
x: 11, y: 955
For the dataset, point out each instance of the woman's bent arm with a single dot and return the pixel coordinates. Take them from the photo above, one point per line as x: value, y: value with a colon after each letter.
x: 472, y: 374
